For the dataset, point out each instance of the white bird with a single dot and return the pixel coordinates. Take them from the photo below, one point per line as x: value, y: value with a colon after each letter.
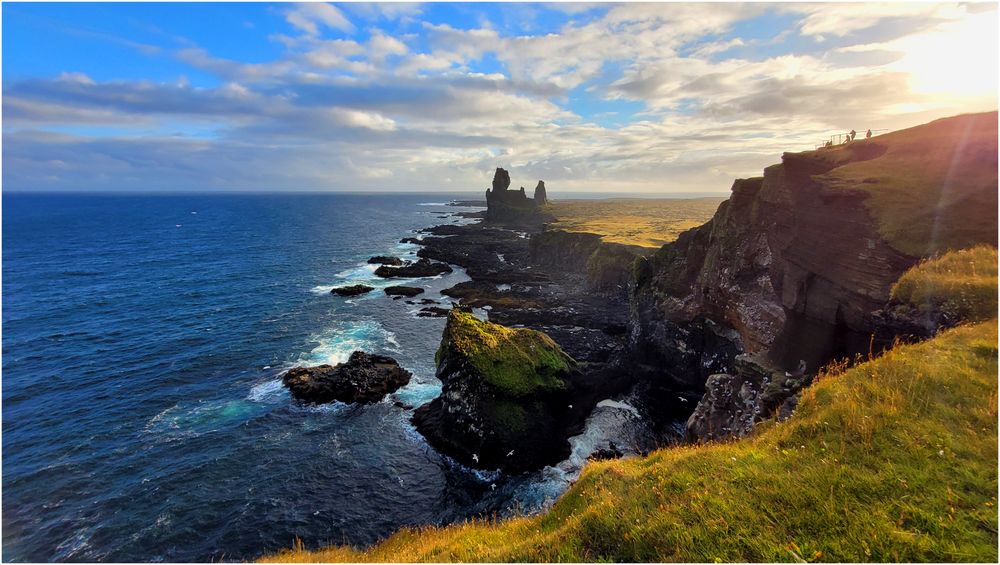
x: 493, y: 486
x: 475, y: 457
x: 570, y: 406
x: 682, y: 399
x: 510, y: 453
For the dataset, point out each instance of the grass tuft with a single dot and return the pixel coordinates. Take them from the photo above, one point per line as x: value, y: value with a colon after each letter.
x: 961, y: 284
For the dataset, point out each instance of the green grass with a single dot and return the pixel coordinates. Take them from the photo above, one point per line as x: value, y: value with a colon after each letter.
x: 892, y: 460
x: 934, y: 188
x: 962, y: 284
x: 517, y: 362
x: 646, y: 222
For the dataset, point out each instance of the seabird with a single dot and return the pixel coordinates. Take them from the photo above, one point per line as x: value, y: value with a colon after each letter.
x: 510, y: 453
x: 475, y: 457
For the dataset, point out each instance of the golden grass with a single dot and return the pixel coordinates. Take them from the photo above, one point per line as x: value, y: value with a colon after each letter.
x: 634, y: 221
x: 892, y: 460
x: 962, y: 284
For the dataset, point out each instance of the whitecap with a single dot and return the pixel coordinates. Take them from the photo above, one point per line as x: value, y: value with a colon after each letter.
x: 433, y: 204
x: 336, y: 344
x: 268, y: 391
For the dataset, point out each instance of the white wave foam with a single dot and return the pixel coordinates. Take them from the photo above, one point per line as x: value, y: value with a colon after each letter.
x: 608, y: 403
x: 336, y: 344
x: 268, y: 391
x: 433, y: 204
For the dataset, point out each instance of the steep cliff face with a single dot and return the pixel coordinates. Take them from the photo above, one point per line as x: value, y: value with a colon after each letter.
x: 792, y: 266
x: 606, y: 266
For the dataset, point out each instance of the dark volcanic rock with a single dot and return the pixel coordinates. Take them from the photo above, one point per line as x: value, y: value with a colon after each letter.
x: 364, y: 378
x: 409, y: 291
x: 411, y: 240
x: 433, y: 312
x: 540, y: 197
x: 385, y: 260
x: 420, y: 268
x: 352, y: 290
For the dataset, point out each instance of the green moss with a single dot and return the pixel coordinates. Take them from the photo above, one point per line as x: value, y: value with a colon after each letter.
x: 962, y: 284
x: 517, y: 362
x: 892, y: 460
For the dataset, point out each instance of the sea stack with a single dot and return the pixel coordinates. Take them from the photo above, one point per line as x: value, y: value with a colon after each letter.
x: 540, y: 198
x: 504, y: 205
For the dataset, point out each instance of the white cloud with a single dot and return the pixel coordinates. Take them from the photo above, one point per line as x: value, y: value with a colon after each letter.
x: 310, y: 17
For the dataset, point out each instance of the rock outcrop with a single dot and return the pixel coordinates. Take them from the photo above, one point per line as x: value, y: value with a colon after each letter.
x: 511, y: 206
x: 507, y: 396
x: 418, y: 269
x: 364, y: 378
x: 352, y: 290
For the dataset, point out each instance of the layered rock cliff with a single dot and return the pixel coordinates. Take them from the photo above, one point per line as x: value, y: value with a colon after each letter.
x: 789, y: 270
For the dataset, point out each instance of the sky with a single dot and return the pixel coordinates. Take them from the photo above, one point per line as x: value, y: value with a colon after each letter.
x: 652, y: 97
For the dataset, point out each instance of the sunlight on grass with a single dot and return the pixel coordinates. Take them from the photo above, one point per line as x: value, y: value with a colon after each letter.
x: 962, y: 284
x: 934, y: 189
x: 892, y: 460
x: 643, y: 222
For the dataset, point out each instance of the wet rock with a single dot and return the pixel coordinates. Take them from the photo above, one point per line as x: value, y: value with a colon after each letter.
x: 410, y: 240
x: 417, y: 269
x: 385, y: 260
x: 364, y: 378
x: 352, y: 290
x: 433, y: 312
x: 409, y: 291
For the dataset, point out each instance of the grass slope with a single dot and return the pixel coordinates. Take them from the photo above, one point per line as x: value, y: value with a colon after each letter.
x: 962, y: 284
x: 633, y: 221
x: 892, y: 460
x: 516, y: 361
x: 935, y: 187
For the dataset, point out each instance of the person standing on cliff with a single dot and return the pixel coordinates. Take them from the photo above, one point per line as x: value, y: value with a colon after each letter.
x: 868, y: 136
x: 853, y: 134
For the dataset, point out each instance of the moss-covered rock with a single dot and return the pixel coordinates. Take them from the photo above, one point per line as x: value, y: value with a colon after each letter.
x: 507, y: 396
x: 517, y: 362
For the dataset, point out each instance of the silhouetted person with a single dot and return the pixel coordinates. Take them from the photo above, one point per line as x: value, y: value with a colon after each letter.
x: 852, y: 134
x: 868, y: 136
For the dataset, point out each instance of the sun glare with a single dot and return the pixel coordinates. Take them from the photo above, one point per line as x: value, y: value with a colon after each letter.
x: 959, y: 59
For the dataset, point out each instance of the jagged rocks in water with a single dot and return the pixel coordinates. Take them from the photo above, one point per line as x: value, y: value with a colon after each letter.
x: 419, y: 268
x: 352, y: 290
x: 408, y: 291
x: 411, y: 240
x: 364, y: 378
x: 734, y: 403
x: 505, y: 397
x: 433, y: 312
x: 385, y: 260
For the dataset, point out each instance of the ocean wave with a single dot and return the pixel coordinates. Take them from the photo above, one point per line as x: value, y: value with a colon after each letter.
x: 268, y: 392
x: 434, y: 204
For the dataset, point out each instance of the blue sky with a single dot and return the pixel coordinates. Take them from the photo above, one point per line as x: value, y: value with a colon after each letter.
x: 590, y: 97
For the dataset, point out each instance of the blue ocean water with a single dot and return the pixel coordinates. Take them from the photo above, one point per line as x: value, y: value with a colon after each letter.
x: 143, y: 415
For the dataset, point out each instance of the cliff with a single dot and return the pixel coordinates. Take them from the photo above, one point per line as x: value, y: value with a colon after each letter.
x: 791, y: 267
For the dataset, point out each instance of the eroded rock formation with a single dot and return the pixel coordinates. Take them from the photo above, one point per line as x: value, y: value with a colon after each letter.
x: 364, y: 378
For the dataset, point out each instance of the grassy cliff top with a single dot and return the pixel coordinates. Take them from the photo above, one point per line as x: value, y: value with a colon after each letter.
x: 892, y: 460
x: 644, y: 222
x: 516, y: 361
x: 961, y: 283
x: 934, y: 188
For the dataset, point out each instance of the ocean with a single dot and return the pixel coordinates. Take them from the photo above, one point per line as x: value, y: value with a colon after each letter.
x: 143, y: 413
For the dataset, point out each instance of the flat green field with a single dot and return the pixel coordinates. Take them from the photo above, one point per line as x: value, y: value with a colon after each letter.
x: 647, y: 222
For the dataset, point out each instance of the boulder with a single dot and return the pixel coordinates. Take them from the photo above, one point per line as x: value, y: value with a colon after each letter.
x: 385, y: 260
x: 408, y: 291
x: 352, y: 290
x: 419, y: 268
x: 365, y: 378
